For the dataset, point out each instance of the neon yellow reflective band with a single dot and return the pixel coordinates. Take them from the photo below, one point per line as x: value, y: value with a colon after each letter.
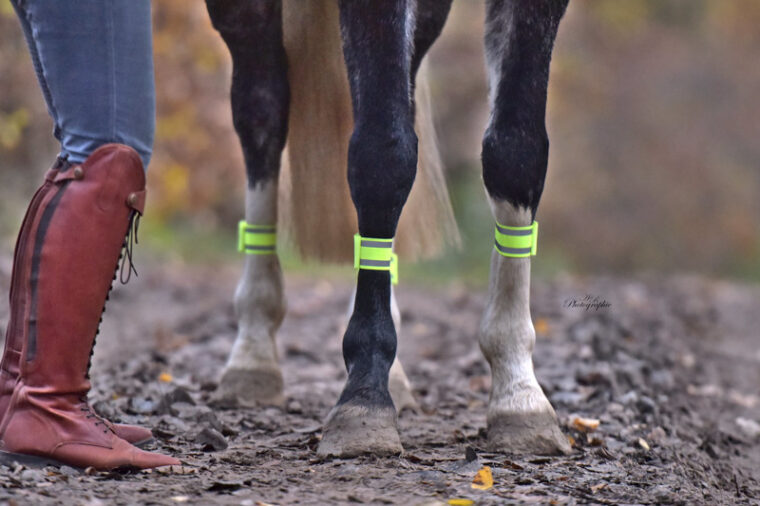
x: 257, y: 239
x: 375, y: 255
x: 516, y: 242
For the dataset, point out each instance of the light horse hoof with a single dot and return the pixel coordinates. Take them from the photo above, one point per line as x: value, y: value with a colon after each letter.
x: 527, y: 433
x: 252, y: 387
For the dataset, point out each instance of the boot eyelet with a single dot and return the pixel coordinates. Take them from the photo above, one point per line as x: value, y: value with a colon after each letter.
x: 132, y: 199
x: 78, y: 173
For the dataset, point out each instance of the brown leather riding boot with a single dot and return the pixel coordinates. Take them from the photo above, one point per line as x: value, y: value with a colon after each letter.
x: 9, y: 367
x: 65, y: 259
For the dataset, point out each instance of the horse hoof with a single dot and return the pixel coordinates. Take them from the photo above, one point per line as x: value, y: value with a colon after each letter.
x: 252, y: 387
x: 535, y: 433
x: 351, y: 430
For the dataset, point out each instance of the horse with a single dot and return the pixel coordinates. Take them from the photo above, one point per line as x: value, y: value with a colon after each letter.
x: 366, y: 114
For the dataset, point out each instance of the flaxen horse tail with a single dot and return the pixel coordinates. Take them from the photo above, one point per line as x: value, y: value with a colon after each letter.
x: 316, y: 208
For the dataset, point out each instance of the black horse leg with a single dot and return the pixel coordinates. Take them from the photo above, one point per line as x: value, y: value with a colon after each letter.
x: 381, y: 168
x: 430, y: 18
x: 519, y: 40
x: 252, y: 31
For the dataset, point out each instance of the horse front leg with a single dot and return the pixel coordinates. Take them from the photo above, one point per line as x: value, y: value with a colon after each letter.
x: 260, y: 98
x: 519, y: 41
x: 382, y: 161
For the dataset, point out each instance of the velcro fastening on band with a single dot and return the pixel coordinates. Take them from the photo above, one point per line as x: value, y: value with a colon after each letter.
x: 257, y: 239
x: 516, y: 242
x: 375, y: 255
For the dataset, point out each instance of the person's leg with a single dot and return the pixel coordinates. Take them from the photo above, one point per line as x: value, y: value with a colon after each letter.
x: 94, y: 60
x: 98, y: 84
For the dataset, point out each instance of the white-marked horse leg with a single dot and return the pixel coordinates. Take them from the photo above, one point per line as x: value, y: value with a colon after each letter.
x: 252, y: 374
x: 398, y: 383
x: 260, y: 98
x: 519, y: 40
x: 520, y: 417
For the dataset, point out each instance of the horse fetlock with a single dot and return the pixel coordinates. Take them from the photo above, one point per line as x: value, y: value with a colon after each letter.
x: 351, y: 430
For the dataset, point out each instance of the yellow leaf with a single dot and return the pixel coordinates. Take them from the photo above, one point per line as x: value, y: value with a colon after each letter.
x: 542, y: 326
x: 585, y: 424
x: 483, y: 480
x: 165, y: 377
x: 460, y: 502
x: 643, y: 443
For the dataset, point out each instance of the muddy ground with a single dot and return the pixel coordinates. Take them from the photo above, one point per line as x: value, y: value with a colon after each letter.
x: 671, y: 369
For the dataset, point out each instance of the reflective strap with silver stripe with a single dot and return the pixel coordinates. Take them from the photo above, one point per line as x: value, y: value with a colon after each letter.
x: 257, y: 239
x: 375, y: 255
x: 516, y: 242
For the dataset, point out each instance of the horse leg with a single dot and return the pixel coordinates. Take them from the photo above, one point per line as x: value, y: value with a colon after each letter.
x: 260, y: 98
x: 519, y: 40
x: 382, y: 161
x: 430, y: 18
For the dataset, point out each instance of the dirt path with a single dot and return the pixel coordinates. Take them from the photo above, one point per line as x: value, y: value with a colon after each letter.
x: 672, y: 365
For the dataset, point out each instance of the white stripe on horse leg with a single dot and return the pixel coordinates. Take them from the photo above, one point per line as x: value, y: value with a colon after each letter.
x: 252, y: 374
x: 398, y: 383
x: 520, y: 417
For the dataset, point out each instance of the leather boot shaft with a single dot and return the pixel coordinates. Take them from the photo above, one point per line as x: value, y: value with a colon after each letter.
x: 79, y: 236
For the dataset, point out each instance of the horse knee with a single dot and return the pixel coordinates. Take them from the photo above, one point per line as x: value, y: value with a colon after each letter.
x: 514, y: 163
x: 260, y: 115
x: 381, y: 170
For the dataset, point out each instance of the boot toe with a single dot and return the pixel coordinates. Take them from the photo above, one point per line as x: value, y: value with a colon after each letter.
x: 147, y: 460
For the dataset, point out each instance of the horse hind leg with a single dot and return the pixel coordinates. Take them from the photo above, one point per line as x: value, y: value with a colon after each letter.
x: 429, y: 21
x: 519, y: 40
x: 259, y: 95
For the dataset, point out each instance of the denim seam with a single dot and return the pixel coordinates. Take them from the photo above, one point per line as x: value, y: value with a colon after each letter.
x: 112, y: 50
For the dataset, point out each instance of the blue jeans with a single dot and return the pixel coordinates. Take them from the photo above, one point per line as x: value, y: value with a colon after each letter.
x: 94, y: 62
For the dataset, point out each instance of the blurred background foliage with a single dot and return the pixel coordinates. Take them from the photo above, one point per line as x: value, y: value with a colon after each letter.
x: 653, y: 118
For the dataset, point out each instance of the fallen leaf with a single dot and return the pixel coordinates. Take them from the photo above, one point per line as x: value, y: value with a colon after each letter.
x: 165, y: 377
x: 460, y: 502
x: 643, y: 444
x: 585, y: 424
x: 483, y: 480
x: 542, y: 326
x: 180, y: 498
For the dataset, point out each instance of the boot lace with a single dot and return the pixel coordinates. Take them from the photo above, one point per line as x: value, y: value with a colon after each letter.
x: 124, y: 257
x: 129, y: 243
x: 86, y: 408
